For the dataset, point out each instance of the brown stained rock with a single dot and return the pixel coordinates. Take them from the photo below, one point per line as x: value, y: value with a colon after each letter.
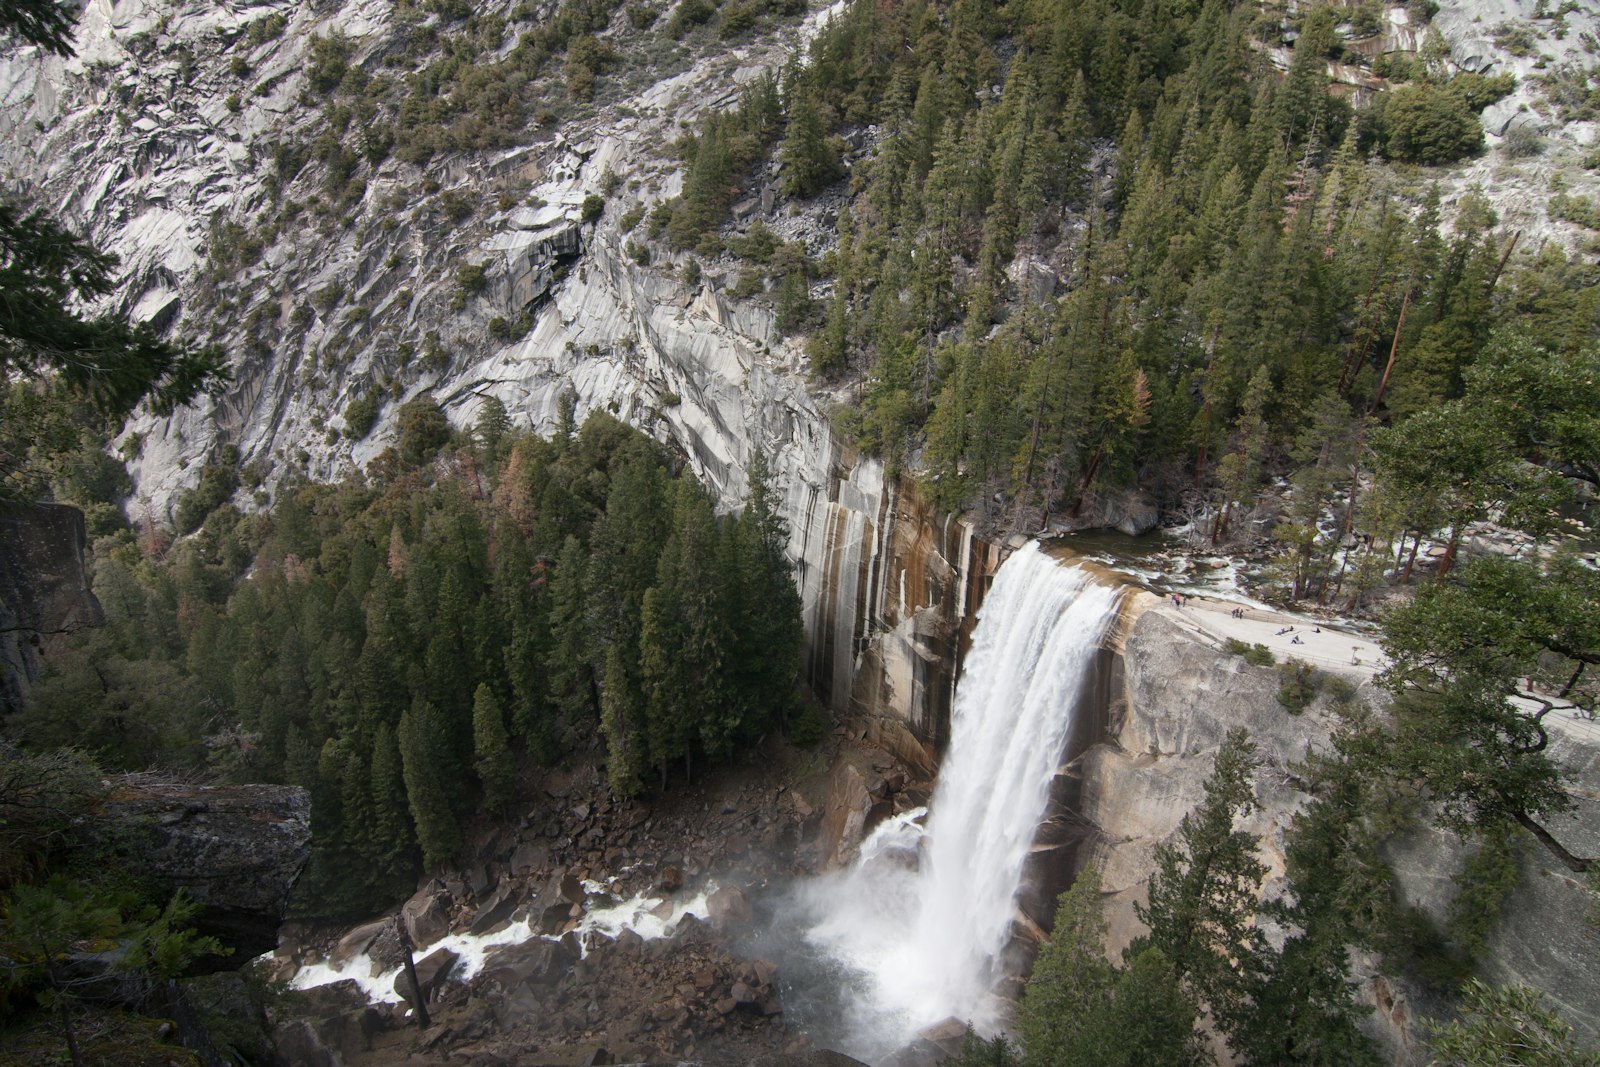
x: 358, y: 941
x: 427, y: 915
x: 572, y: 888
x: 844, y: 816
x: 670, y: 879
x: 729, y: 907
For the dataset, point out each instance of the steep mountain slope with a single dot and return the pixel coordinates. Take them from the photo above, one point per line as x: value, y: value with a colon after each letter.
x: 194, y: 141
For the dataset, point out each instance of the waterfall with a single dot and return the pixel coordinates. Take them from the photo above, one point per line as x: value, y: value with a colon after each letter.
x: 919, y: 924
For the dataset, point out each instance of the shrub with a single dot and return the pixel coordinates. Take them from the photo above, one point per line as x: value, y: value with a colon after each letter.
x: 217, y: 484
x: 360, y: 415
x: 1522, y: 141
x: 630, y: 218
x: 471, y: 281
x: 327, y: 296
x: 593, y: 207
x: 456, y: 205
x: 423, y: 429
x: 688, y: 14
x: 1300, y: 684
x: 1255, y: 655
x: 1430, y: 125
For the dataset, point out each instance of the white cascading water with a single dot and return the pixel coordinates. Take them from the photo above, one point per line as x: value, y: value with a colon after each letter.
x: 920, y: 922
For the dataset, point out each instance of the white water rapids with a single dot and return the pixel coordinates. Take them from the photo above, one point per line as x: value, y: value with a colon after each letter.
x: 920, y: 922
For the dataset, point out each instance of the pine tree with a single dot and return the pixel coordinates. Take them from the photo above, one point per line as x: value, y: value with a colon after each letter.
x: 424, y: 747
x: 491, y: 750
x: 393, y: 843
x: 1078, y: 1010
x: 1205, y: 889
x: 621, y: 715
x: 810, y: 160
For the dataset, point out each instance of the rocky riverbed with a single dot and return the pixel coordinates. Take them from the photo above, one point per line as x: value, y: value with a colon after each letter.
x: 595, y: 924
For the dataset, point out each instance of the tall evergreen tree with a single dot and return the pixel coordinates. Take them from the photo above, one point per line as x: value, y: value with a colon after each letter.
x: 491, y: 750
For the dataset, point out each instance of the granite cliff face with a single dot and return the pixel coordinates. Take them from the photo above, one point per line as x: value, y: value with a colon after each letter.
x: 1181, y: 695
x: 44, y: 592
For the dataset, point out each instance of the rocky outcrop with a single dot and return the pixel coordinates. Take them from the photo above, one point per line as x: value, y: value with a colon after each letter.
x: 44, y: 592
x: 235, y: 850
x: 1181, y: 695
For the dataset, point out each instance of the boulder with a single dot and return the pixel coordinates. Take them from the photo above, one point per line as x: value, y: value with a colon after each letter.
x: 427, y: 915
x: 572, y: 889
x: 536, y: 962
x: 236, y: 850
x: 433, y: 969
x: 358, y: 941
x: 728, y: 907
x: 669, y: 879
x: 496, y: 911
x: 528, y: 857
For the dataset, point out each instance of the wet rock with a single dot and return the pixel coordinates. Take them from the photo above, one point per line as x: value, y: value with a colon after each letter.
x: 553, y: 919
x: 297, y: 1042
x: 572, y: 889
x: 845, y: 816
x: 433, y: 969
x: 669, y: 879
x: 496, y: 911
x: 947, y: 1035
x: 427, y: 915
x: 537, y: 962
x: 358, y: 941
x: 728, y: 907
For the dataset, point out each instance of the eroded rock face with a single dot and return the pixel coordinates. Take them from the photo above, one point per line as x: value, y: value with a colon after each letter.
x: 236, y: 850
x: 1182, y: 695
x: 44, y: 592
x: 131, y: 139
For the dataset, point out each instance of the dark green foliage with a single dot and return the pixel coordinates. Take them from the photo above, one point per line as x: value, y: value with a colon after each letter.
x: 1301, y: 683
x: 810, y: 158
x: 425, y: 746
x: 330, y: 61
x: 402, y: 641
x: 1506, y: 1024
x: 423, y: 429
x: 1256, y: 655
x: 1079, y: 1009
x: 38, y: 22
x: 45, y: 271
x: 491, y: 749
x: 1462, y: 649
x: 594, y: 206
x: 1203, y: 894
x: 217, y: 483
x: 360, y: 415
x: 1431, y: 125
x: 718, y: 157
